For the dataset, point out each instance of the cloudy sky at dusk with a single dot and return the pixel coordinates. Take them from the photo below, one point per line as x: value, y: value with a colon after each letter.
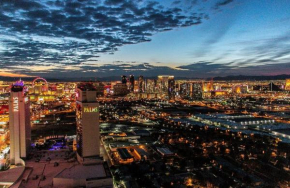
x: 101, y: 38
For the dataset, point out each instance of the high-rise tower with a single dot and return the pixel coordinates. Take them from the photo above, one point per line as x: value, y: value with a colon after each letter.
x: 19, y: 123
x: 87, y: 112
x: 171, y: 87
x: 132, y: 83
x: 166, y: 85
x: 124, y: 79
x: 197, y: 90
x: 141, y: 83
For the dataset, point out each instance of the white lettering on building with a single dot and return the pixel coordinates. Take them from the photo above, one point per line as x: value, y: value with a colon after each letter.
x: 15, y: 104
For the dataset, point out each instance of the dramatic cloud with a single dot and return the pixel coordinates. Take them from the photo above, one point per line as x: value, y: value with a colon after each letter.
x: 71, y: 32
x: 66, y: 38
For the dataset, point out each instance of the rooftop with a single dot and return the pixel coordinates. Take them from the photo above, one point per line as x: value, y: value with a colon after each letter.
x: 164, y: 151
x: 124, y: 154
x: 17, y: 88
x: 86, y: 86
x: 84, y: 172
x: 10, y: 176
x: 138, y: 132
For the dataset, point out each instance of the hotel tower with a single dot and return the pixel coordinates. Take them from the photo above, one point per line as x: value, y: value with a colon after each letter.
x: 87, y: 112
x: 19, y: 123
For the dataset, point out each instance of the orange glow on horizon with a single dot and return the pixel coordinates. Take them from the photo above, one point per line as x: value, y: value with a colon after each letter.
x: 9, y: 74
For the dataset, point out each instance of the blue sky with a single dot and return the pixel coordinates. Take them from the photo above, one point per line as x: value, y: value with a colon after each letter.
x: 188, y: 38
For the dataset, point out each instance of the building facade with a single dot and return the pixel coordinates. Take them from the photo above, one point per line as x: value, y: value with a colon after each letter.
x: 87, y: 114
x: 132, y: 83
x: 166, y: 85
x: 120, y: 89
x: 124, y: 79
x: 197, y: 90
x: 151, y: 86
x: 141, y: 84
x: 171, y: 87
x: 184, y: 89
x: 19, y: 123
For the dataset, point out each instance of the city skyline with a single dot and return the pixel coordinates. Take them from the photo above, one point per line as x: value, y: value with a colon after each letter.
x: 156, y: 132
x: 144, y: 93
x: 113, y: 37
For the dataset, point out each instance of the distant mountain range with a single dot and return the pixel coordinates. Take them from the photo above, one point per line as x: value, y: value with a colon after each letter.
x: 115, y: 78
x: 243, y: 77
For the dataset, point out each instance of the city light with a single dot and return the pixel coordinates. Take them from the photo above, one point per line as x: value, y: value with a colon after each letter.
x: 157, y: 94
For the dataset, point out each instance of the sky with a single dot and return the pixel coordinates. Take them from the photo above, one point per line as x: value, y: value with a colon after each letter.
x: 104, y: 38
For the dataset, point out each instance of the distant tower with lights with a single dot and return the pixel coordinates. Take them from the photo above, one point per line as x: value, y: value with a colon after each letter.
x: 19, y: 123
x: 166, y: 84
x: 141, y: 86
x: 171, y: 87
x: 132, y: 83
x: 124, y: 79
x: 197, y: 90
x: 287, y: 85
x: 87, y: 115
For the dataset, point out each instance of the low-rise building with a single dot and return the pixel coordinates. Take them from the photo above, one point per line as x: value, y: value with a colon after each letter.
x: 124, y: 156
x: 97, y: 175
x: 120, y: 89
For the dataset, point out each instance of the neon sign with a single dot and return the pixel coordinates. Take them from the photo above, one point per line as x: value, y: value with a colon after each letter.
x: 15, y: 104
x: 91, y: 109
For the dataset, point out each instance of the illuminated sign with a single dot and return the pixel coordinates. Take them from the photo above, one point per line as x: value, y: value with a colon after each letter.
x: 91, y: 109
x: 287, y: 86
x: 15, y: 104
